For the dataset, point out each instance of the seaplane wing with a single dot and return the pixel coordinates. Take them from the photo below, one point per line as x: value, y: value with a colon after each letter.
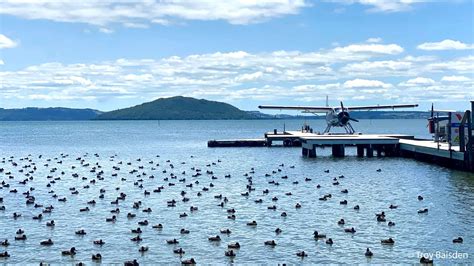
x: 308, y: 109
x: 375, y: 107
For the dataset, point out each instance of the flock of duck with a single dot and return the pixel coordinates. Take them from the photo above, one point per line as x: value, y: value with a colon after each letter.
x: 16, y: 175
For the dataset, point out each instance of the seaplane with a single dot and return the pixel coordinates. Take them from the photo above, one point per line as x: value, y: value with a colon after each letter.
x: 337, y: 116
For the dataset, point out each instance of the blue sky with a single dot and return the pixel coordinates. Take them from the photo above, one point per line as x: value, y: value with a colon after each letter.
x: 108, y: 55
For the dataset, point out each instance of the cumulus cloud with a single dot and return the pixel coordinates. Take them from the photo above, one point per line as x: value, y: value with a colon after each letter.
x: 371, y: 48
x: 418, y: 81
x: 353, y: 71
x: 6, y: 42
x: 455, y: 78
x: 445, y: 45
x: 141, y: 13
x: 366, y: 83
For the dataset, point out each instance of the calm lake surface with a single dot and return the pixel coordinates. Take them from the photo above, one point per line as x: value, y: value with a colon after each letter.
x: 448, y: 194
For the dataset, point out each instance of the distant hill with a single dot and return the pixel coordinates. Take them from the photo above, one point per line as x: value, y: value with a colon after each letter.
x: 178, y: 108
x: 46, y: 114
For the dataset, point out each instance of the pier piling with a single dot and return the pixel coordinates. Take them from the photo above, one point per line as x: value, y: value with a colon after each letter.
x: 338, y: 150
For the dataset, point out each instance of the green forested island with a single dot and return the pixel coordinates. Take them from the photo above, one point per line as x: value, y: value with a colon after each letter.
x: 179, y: 108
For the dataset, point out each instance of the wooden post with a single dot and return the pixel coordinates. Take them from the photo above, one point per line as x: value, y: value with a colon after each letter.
x: 312, y: 152
x: 338, y: 150
x: 370, y: 151
x: 360, y: 150
x: 304, y: 152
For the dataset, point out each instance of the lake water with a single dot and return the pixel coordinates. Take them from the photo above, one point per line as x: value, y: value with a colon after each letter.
x: 448, y: 194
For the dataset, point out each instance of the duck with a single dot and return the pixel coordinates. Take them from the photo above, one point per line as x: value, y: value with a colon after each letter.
x: 144, y: 222
x: 48, y: 242
x: 420, y: 197
x: 131, y: 215
x: 230, y: 253
x: 172, y: 241
x: 425, y: 260
x: 4, y: 255
x: 393, y: 206
x: 329, y: 241
x: 235, y: 245
x: 157, y: 226
x: 184, y: 231
x: 423, y: 211
x: 112, y: 219
x: 131, y: 263
x: 137, y: 231
x: 99, y: 242
x: 81, y: 232
x: 389, y: 241
x: 298, y: 205
x: 179, y: 251
x: 136, y: 239
x: 97, y: 257
x: 50, y: 223
x: 391, y: 224
x: 368, y: 253
x: 190, y: 261
x: 458, y: 240
x: 270, y: 243
x: 5, y: 243
x: 302, y: 254
x: 143, y: 249
x: 317, y: 235
x: 350, y: 230
x: 341, y: 222
x: 70, y: 252
x: 343, y: 202
x: 357, y: 207
x: 252, y: 223
x: 214, y: 238
x: 278, y: 231
x: 225, y: 231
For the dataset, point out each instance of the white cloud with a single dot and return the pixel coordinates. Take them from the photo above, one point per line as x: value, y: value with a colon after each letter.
x: 374, y: 40
x: 384, y: 5
x: 455, y: 78
x: 6, y: 42
x: 445, y: 45
x: 389, y: 49
x: 347, y: 72
x: 366, y: 83
x: 382, y: 68
x: 418, y: 81
x: 98, y: 12
x: 460, y: 65
x: 2, y: 62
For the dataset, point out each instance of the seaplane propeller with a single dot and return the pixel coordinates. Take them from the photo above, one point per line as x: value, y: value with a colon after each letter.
x: 344, y: 116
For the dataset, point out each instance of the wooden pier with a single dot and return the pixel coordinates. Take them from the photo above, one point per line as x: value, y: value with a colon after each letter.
x: 368, y: 145
x: 459, y: 153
